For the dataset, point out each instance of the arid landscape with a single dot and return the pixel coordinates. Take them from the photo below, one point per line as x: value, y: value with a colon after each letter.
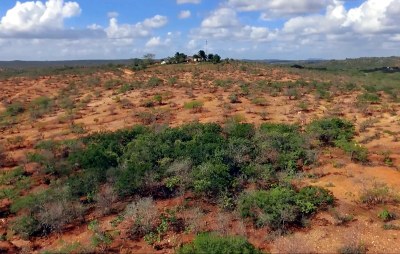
x: 114, y: 159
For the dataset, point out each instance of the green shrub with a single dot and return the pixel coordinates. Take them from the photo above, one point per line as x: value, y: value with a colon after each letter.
x: 40, y: 106
x: 259, y: 101
x: 310, y: 198
x: 25, y: 226
x: 357, y: 152
x: 15, y: 109
x: 284, y: 147
x: 194, y: 105
x: 369, y: 97
x: 281, y: 207
x: 234, y: 98
x: 211, y: 178
x: 329, y: 130
x: 154, y: 82
x: 214, y: 244
x: 386, y: 215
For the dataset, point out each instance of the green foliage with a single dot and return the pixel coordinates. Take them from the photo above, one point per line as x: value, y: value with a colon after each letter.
x: 193, y: 105
x: 357, y: 152
x: 310, y: 198
x: 40, y: 106
x: 284, y: 147
x: 280, y: 207
x: 386, y: 215
x: 259, y: 101
x: 329, y: 130
x: 368, y: 97
x: 154, y: 82
x: 25, y: 226
x: 211, y: 178
x: 15, y: 109
x: 214, y: 244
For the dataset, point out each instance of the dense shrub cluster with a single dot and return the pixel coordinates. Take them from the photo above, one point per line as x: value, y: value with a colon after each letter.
x: 280, y: 207
x: 213, y: 244
x: 215, y: 162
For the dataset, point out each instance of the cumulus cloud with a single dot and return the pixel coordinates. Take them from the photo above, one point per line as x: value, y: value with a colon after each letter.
x: 223, y: 23
x: 184, y: 14
x: 156, y: 42
x: 188, y: 1
x: 273, y: 8
x: 141, y: 29
x: 37, y: 17
x: 371, y: 17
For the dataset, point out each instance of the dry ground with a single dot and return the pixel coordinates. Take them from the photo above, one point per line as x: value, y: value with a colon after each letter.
x: 98, y: 108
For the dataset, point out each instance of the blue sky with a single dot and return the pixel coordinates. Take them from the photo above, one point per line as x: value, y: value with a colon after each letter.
x: 255, y: 29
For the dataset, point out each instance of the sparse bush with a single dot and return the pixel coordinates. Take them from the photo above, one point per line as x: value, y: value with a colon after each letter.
x: 110, y: 84
x: 25, y: 226
x: 386, y: 215
x: 40, y: 106
x: 369, y: 98
x: 378, y: 194
x: 359, y: 248
x: 259, y: 101
x: 142, y: 217
x: 15, y: 109
x: 357, y: 152
x: 154, y: 82
x: 105, y: 199
x: 234, y: 98
x: 212, y: 243
x: 195, y: 106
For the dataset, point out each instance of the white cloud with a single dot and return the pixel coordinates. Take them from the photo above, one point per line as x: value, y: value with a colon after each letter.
x: 156, y: 42
x: 155, y: 22
x: 140, y: 29
x: 223, y: 17
x: 223, y: 23
x: 37, y: 17
x: 371, y: 17
x: 184, y: 14
x: 113, y: 14
x: 188, y: 1
x: 274, y: 8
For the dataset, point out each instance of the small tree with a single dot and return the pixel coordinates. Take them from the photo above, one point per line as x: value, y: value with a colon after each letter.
x: 216, y: 58
x: 180, y: 57
x: 202, y: 55
x: 149, y: 58
x: 210, y: 57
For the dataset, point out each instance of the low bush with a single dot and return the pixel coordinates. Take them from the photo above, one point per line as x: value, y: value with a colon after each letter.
x: 154, y: 82
x: 368, y: 97
x: 15, y: 109
x: 259, y: 101
x: 40, y: 106
x: 281, y: 207
x: 329, y: 130
x: 378, y: 193
x: 386, y: 215
x: 357, y: 152
x: 212, y: 243
x: 195, y: 106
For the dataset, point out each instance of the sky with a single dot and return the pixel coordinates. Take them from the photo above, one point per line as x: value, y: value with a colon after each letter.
x: 240, y: 29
